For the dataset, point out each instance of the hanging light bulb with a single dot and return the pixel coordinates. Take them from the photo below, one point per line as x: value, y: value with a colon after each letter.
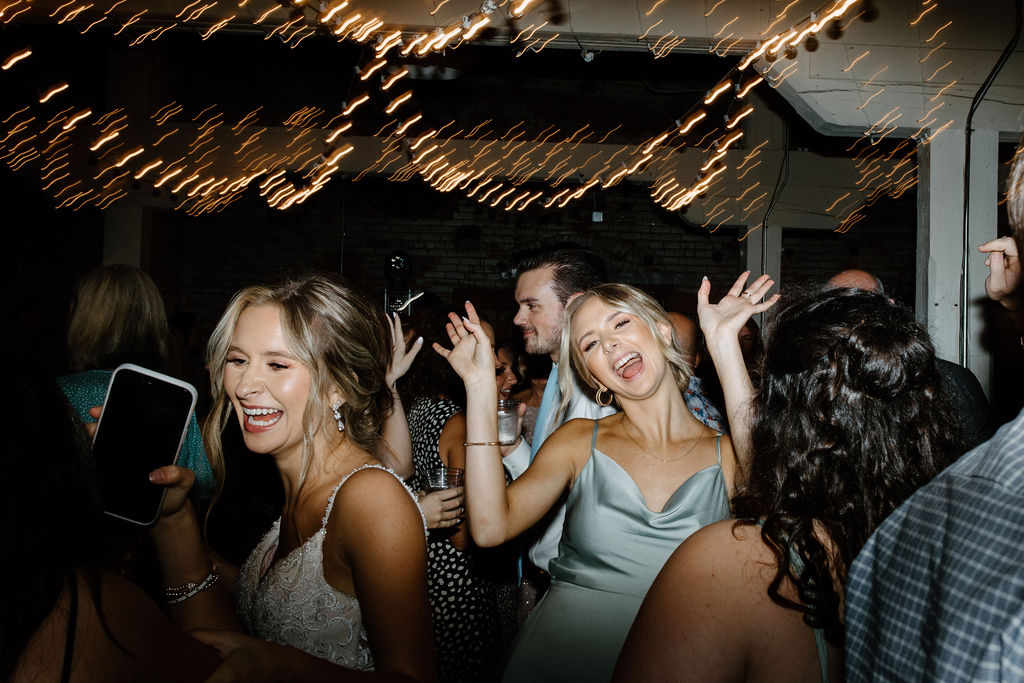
x: 791, y: 52
x: 835, y: 29
x: 812, y: 44
x: 869, y: 12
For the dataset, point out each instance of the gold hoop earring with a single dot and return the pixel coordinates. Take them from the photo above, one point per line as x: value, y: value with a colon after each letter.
x: 597, y: 396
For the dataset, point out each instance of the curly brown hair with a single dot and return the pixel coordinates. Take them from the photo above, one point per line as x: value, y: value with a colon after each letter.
x: 849, y: 419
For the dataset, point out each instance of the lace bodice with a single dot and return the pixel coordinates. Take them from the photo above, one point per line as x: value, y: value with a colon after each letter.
x: 292, y: 603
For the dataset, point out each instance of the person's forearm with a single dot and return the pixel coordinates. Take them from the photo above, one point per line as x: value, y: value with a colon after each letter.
x: 185, y: 565
x: 394, y: 449
x: 739, y: 392
x: 486, y: 499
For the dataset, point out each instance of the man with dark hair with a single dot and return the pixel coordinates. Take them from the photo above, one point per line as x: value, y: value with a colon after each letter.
x: 547, y: 281
x: 937, y: 593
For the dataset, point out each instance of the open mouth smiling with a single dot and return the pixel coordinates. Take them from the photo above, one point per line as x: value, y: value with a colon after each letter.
x: 629, y: 365
x: 252, y: 413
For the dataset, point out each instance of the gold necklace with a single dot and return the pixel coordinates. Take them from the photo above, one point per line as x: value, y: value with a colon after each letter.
x: 646, y: 452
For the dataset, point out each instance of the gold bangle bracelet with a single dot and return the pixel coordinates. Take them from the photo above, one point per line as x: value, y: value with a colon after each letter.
x: 481, y: 443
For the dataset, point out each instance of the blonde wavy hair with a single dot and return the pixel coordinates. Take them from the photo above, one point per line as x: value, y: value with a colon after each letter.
x: 627, y: 299
x: 117, y: 316
x: 339, y: 336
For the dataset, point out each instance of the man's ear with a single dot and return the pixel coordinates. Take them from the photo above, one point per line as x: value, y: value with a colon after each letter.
x: 666, y: 332
x: 571, y: 297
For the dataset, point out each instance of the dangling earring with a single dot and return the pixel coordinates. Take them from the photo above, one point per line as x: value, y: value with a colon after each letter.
x: 597, y: 397
x: 337, y: 416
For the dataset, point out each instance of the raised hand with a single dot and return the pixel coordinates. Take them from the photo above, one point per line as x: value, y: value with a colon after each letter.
x: 471, y: 355
x: 1005, y: 281
x: 727, y: 317
x: 401, y: 357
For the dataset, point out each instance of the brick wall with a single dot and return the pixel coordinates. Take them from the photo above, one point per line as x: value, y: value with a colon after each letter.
x: 459, y: 247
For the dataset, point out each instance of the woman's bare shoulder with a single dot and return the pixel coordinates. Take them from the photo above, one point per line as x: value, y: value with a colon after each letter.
x: 373, y: 498
x: 126, y: 643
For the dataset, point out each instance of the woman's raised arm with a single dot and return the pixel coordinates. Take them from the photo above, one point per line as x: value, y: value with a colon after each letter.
x: 496, y: 514
x: 721, y: 324
x: 394, y: 449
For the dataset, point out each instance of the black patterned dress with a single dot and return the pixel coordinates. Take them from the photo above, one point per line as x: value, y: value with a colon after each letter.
x: 471, y: 593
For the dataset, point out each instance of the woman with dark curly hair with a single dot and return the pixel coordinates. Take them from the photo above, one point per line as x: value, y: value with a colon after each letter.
x: 849, y: 419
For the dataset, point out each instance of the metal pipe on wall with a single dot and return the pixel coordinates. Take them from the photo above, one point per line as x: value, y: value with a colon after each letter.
x: 965, y: 261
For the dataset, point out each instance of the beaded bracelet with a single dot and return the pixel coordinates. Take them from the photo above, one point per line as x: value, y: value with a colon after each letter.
x: 481, y: 443
x: 176, y: 594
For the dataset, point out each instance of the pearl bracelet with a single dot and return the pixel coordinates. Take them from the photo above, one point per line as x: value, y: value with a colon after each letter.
x: 177, y: 594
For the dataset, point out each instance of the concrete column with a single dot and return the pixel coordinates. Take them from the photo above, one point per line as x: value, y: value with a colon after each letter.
x: 940, y: 241
x: 125, y: 235
x: 983, y: 221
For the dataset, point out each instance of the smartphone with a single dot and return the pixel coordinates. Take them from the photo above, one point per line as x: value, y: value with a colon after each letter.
x: 145, y: 418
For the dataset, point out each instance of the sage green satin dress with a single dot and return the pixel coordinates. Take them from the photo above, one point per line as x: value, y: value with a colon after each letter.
x: 612, y: 548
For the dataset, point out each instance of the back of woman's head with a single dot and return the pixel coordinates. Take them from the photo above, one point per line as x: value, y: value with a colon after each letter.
x: 849, y: 419
x: 50, y: 516
x: 627, y: 299
x: 338, y: 335
x: 117, y: 316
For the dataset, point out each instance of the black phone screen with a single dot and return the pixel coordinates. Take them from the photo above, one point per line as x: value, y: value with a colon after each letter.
x: 142, y: 428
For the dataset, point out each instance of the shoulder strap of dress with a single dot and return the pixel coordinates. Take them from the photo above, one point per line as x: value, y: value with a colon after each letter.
x: 718, y: 447
x: 819, y: 634
x: 376, y: 466
x: 69, y: 638
x: 593, y: 439
x: 822, y: 647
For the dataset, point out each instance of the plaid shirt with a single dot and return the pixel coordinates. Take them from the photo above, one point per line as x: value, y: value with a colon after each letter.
x: 937, y: 594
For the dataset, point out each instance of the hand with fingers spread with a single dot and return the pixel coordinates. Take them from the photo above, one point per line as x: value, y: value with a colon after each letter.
x: 471, y: 355
x: 1005, y: 282
x: 402, y: 356
x: 726, y: 318
x: 443, y: 509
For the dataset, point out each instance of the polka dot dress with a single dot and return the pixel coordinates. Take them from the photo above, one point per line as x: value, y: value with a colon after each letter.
x: 472, y: 592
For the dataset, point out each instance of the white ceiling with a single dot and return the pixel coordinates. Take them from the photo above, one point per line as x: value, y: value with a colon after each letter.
x: 911, y: 71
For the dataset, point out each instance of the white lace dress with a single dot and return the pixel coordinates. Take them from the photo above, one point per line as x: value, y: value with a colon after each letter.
x: 292, y: 603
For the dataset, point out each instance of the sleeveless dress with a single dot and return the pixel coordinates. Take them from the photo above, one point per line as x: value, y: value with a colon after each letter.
x: 291, y: 603
x: 471, y: 593
x: 820, y: 644
x: 612, y: 548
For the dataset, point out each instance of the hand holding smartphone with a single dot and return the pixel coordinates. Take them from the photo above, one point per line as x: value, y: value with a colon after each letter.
x: 145, y: 418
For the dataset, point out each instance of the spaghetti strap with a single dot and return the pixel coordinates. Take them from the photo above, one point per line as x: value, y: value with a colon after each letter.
x: 593, y: 439
x: 819, y: 634
x: 376, y: 466
x: 718, y: 447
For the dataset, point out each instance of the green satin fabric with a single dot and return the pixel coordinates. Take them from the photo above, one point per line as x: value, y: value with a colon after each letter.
x: 612, y: 548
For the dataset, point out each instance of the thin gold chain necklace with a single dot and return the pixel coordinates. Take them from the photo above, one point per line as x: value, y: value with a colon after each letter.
x: 646, y: 452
